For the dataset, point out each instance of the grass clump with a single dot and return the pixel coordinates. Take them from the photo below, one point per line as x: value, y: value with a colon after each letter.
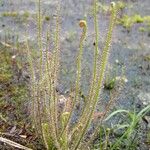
x: 126, y: 133
x: 52, y: 113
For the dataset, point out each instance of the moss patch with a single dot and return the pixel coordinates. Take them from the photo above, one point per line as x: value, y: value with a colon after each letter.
x: 12, y: 91
x: 5, y: 67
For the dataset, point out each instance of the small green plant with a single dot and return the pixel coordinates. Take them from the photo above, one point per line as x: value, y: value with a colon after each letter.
x: 110, y: 83
x: 47, y: 18
x: 112, y: 77
x: 52, y: 123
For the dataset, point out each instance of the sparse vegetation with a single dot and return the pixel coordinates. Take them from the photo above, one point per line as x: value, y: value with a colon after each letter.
x: 36, y: 113
x: 128, y: 21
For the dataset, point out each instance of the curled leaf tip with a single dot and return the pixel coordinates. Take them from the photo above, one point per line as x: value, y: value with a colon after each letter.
x: 82, y: 24
x: 113, y: 4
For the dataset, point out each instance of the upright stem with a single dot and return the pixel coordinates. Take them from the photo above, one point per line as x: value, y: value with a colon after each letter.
x: 101, y: 76
x: 56, y: 65
x: 79, y: 59
x: 94, y: 76
x: 83, y: 25
x: 39, y: 23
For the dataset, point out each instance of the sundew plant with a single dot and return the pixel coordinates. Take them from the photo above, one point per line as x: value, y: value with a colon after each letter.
x: 52, y: 113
